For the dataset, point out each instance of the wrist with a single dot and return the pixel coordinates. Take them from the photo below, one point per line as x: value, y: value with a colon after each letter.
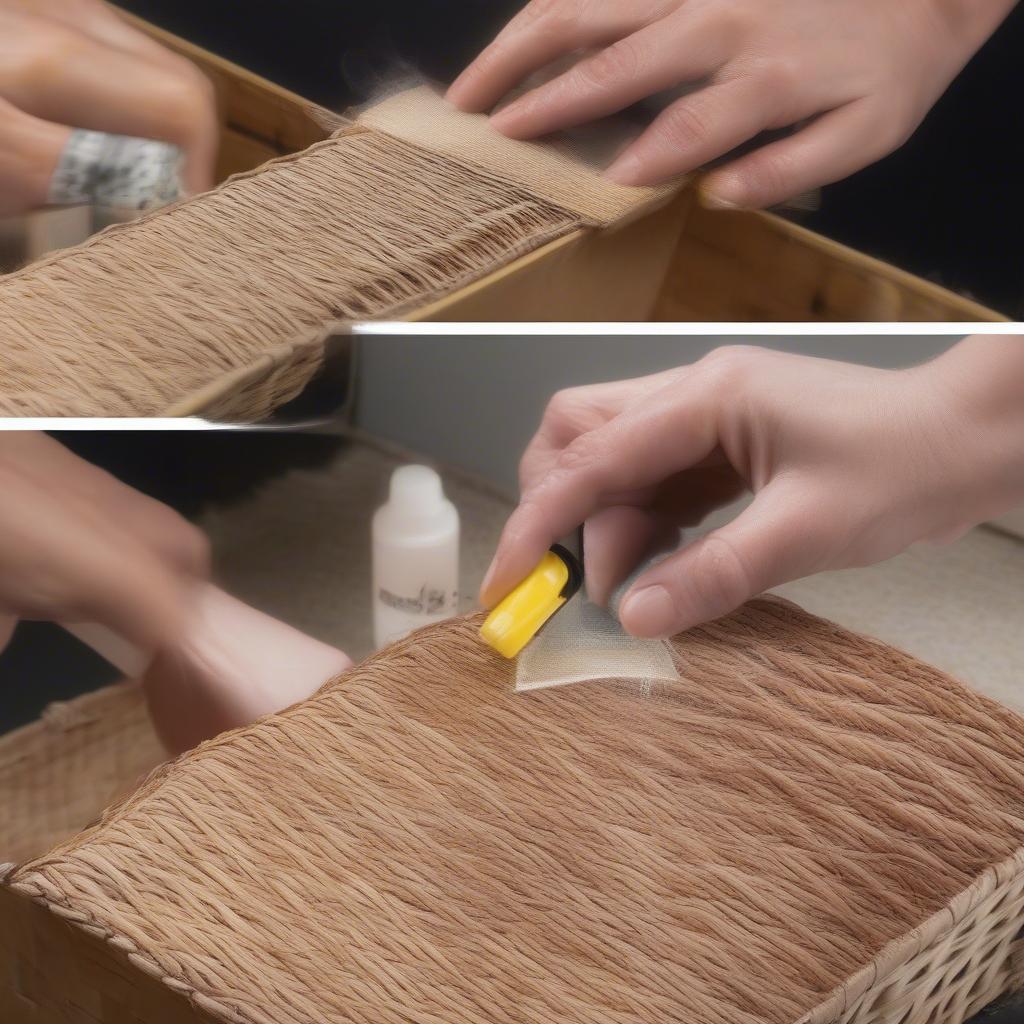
x: 32, y: 151
x: 979, y: 384
x: 971, y: 22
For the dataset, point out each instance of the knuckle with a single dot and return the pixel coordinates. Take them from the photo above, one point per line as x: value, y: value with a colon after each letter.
x: 560, y: 405
x: 579, y: 459
x: 180, y: 542
x: 732, y: 22
x: 560, y: 17
x: 729, y: 366
x: 685, y: 125
x: 185, y: 101
x: 612, y: 66
x: 43, y: 52
x: 780, y: 76
x: 201, y: 85
x: 720, y: 578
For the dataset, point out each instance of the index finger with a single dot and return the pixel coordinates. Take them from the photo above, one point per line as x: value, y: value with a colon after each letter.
x: 643, y: 446
x: 569, y: 413
x: 538, y: 35
x: 577, y: 410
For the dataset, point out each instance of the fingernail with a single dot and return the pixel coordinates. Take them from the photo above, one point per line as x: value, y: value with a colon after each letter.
x: 488, y: 578
x: 716, y: 202
x: 651, y: 612
x: 505, y: 118
x: 625, y: 170
x: 451, y: 94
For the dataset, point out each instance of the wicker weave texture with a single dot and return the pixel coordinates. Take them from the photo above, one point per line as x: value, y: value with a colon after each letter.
x: 769, y: 840
x: 57, y: 775
x: 358, y: 227
x: 219, y: 305
x: 967, y: 956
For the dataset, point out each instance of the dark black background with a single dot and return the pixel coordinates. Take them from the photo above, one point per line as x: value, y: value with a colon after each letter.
x: 948, y: 206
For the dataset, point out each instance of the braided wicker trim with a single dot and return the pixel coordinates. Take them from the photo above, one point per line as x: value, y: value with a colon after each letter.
x: 60, y: 906
x: 955, y: 963
x: 921, y: 957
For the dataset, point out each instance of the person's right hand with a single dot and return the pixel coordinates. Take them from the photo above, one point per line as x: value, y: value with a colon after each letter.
x: 68, y: 64
x: 849, y: 465
x: 851, y: 79
x: 77, y: 545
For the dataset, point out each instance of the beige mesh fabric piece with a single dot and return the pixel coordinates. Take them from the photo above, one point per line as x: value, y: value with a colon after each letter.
x: 553, y: 170
x: 584, y: 641
x: 232, y: 291
x: 806, y: 826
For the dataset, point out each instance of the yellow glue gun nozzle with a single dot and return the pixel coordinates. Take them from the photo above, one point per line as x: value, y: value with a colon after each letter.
x: 518, y: 617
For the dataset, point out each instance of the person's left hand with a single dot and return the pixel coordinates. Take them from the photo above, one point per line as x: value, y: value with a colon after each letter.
x: 77, y: 545
x: 67, y: 64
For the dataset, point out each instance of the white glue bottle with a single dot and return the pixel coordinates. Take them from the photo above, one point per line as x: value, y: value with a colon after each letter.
x: 415, y: 556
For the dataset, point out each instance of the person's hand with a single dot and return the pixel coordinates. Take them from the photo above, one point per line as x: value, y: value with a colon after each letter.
x: 848, y: 465
x: 863, y: 73
x: 76, y: 545
x: 68, y: 64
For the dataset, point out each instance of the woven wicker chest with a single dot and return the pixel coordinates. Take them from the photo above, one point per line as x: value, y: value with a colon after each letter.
x: 809, y: 827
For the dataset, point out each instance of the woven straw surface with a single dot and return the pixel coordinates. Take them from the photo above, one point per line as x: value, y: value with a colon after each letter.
x: 774, y: 838
x: 360, y: 226
x: 58, y: 774
x: 239, y: 284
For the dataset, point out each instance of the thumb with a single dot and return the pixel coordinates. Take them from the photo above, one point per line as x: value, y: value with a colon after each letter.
x: 776, y: 539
